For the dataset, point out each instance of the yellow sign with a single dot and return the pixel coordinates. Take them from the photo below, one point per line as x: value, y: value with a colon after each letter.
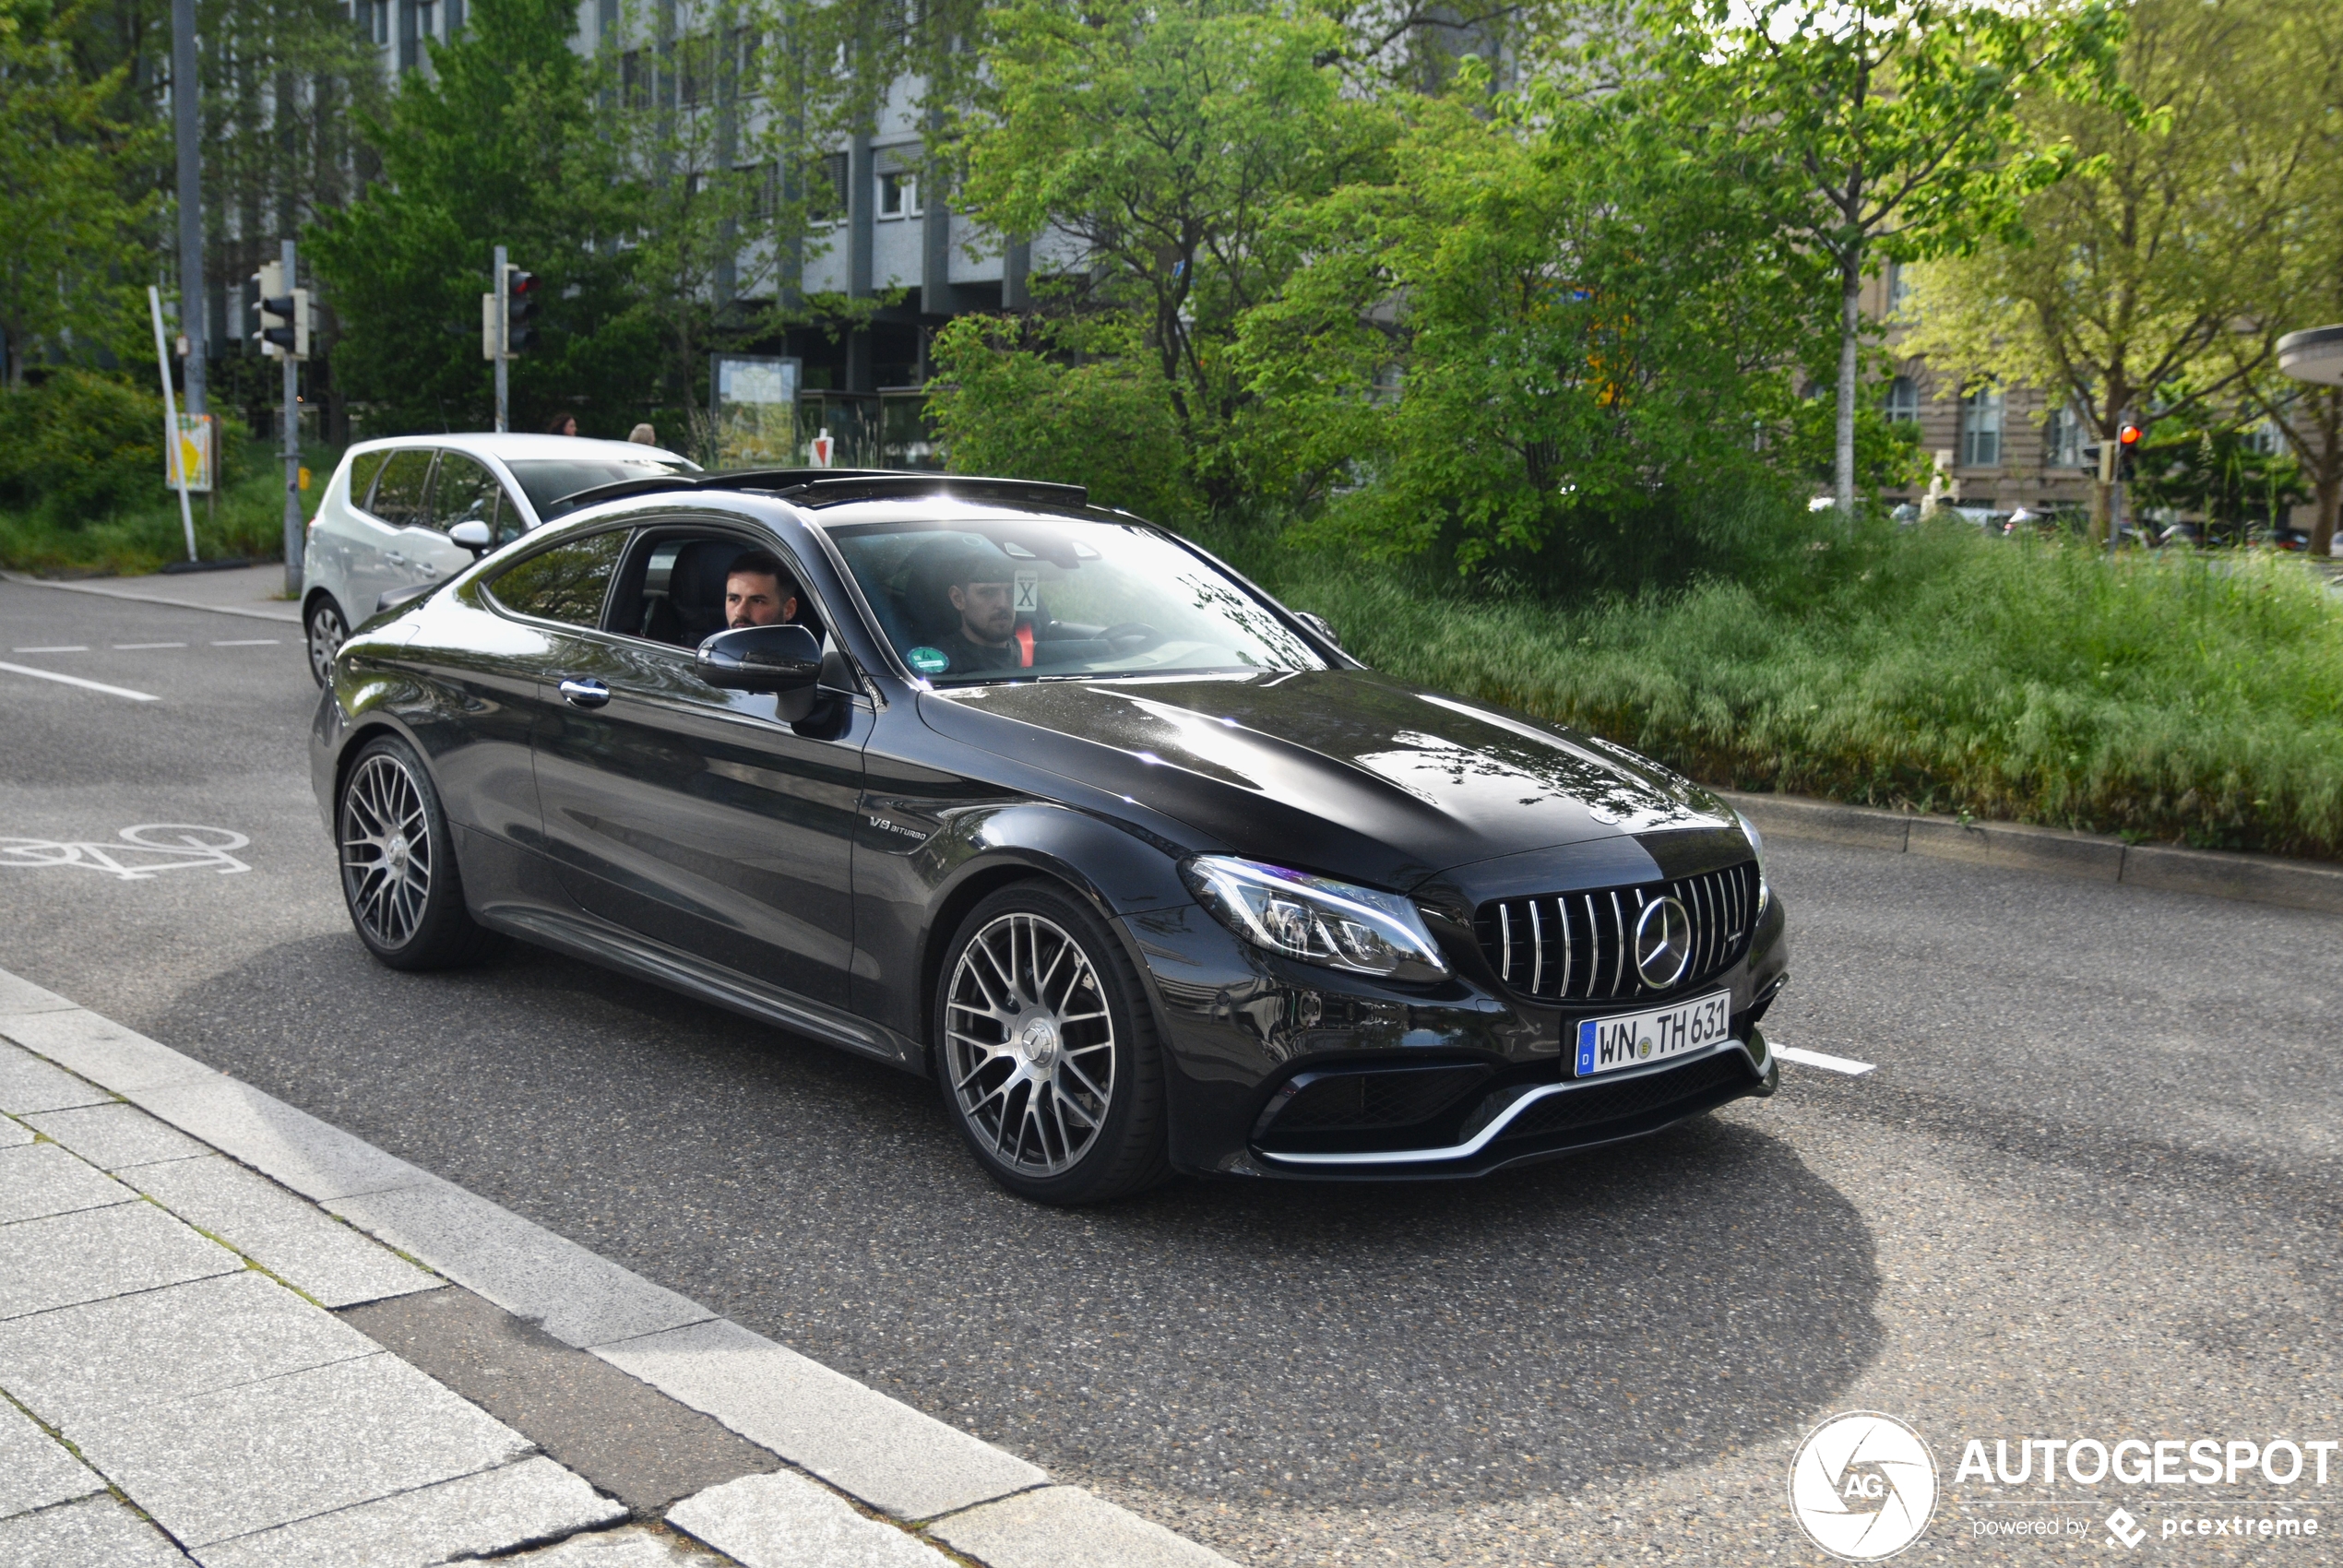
x: 304, y: 478
x: 198, y: 440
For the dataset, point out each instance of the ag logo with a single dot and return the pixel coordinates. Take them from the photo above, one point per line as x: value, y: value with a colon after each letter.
x: 1863, y: 1486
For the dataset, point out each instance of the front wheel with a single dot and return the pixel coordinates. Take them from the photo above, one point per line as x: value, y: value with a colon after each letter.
x: 1046, y: 1052
x: 325, y: 631
x: 398, y: 871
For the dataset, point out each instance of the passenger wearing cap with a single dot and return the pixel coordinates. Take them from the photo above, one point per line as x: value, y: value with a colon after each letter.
x: 982, y: 592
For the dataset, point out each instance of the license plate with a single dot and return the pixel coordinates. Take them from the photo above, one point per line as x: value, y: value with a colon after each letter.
x: 1636, y: 1040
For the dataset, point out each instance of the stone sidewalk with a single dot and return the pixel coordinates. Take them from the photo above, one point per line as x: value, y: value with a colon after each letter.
x: 204, y: 1356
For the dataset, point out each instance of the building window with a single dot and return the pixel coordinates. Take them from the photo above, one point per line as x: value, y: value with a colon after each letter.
x: 1899, y: 286
x: 898, y: 193
x: 2265, y: 438
x: 1981, y: 428
x: 1903, y: 399
x: 633, y: 79
x: 2063, y: 439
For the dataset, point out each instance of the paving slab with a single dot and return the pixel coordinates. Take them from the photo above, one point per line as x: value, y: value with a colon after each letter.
x: 71, y: 1258
x: 38, y: 1180
x: 99, y: 1533
x: 29, y: 1084
x: 1064, y: 1527
x: 21, y: 995
x: 785, y: 1521
x: 492, y: 1511
x: 228, y: 1464
x: 580, y: 1297
x: 631, y: 1546
x: 104, y: 1051
x: 892, y: 1456
x: 112, y: 1136
x: 13, y: 1132
x: 76, y: 1363
x: 314, y: 1158
x: 287, y: 1235
x: 36, y: 1470
x: 620, y: 1433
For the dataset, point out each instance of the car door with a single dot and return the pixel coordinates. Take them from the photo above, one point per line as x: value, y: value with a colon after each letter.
x: 376, y: 562
x: 693, y: 816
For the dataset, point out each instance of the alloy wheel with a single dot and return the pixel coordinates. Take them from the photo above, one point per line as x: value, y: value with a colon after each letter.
x: 1030, y: 1044
x: 386, y: 850
x: 325, y: 634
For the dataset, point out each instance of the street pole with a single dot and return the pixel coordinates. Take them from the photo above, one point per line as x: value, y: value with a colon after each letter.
x: 186, y: 119
x: 292, y: 454
x: 504, y: 339
x: 174, y: 446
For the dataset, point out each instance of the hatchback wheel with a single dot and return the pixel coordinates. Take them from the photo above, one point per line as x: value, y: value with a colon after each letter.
x: 325, y: 631
x: 1046, y: 1052
x: 398, y: 871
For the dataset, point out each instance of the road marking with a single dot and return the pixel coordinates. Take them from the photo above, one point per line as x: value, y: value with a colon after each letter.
x: 61, y: 647
x: 1824, y: 1059
x: 190, y: 848
x: 78, y: 681
x: 249, y: 642
x: 136, y: 648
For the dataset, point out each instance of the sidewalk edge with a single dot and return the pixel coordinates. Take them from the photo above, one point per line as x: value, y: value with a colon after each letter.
x: 289, y: 617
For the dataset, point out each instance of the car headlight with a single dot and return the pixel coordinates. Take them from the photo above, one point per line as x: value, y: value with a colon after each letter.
x: 1315, y: 918
x: 1757, y: 848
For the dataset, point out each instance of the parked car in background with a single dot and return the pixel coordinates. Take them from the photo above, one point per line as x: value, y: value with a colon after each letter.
x: 411, y: 511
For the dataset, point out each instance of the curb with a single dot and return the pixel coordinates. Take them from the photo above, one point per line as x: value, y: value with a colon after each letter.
x: 946, y: 1485
x: 288, y: 615
x: 2095, y: 857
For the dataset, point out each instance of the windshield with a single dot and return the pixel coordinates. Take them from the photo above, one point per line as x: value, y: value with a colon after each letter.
x: 547, y: 480
x: 1030, y: 598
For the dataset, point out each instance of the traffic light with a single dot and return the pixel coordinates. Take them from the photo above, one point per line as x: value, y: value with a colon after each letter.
x: 520, y: 309
x: 282, y: 313
x: 2127, y: 452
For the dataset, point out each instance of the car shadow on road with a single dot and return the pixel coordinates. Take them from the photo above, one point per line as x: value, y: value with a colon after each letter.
x: 1640, y: 1308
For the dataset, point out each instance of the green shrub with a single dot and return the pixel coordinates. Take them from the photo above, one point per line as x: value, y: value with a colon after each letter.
x: 246, y: 518
x: 80, y: 447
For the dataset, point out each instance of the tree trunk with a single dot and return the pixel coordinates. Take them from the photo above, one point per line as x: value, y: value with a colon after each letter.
x: 1850, y: 283
x: 2328, y: 497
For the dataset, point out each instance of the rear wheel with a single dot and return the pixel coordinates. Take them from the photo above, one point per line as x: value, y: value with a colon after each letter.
x: 1046, y: 1052
x: 398, y: 871
x: 325, y: 631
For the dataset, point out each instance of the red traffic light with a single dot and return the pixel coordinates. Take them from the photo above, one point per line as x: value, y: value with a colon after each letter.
x: 2129, y: 435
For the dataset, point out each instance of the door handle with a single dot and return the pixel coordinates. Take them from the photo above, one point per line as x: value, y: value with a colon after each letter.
x: 394, y: 558
x: 585, y: 693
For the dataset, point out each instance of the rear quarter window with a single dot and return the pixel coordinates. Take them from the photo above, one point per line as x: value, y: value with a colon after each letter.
x: 398, y: 493
x: 362, y: 469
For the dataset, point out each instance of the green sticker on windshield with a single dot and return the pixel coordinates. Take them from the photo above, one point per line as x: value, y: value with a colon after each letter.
x: 929, y: 660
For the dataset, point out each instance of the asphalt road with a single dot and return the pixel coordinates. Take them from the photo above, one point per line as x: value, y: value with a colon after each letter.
x: 2090, y: 1189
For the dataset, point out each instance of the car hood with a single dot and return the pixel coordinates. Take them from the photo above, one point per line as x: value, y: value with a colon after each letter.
x: 1346, y: 773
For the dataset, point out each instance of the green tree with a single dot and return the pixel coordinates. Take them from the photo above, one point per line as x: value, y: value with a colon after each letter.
x: 2122, y: 291
x: 77, y: 209
x: 1161, y: 144
x: 508, y: 138
x: 1884, y: 129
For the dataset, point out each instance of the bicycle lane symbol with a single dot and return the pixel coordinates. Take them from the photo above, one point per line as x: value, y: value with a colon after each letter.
x: 143, y: 851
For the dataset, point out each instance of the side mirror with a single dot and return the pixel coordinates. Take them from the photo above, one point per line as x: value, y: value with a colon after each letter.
x: 473, y: 535
x: 785, y: 660
x: 1319, y: 625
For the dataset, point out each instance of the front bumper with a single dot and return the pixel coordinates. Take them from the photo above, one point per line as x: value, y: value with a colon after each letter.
x: 1288, y: 1071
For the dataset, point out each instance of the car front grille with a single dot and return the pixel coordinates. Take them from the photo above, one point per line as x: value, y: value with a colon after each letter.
x: 1579, y: 946
x: 1641, y: 1096
x: 1362, y: 1100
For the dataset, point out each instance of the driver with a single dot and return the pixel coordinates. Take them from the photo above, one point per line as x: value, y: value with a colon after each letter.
x: 758, y: 592
x: 983, y: 592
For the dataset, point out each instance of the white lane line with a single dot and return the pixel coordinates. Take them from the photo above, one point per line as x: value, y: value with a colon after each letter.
x: 137, y: 647
x: 78, y: 681
x: 61, y: 647
x: 1824, y: 1059
x: 249, y: 642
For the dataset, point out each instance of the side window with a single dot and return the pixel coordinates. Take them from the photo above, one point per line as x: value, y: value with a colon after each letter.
x: 566, y: 583
x: 465, y: 491
x: 362, y: 469
x: 399, y: 493
x: 673, y: 591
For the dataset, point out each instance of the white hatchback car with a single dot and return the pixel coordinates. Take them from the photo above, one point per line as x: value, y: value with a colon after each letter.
x: 383, y: 525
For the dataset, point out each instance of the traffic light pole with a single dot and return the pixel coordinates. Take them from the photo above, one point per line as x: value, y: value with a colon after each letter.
x: 292, y: 455
x: 504, y: 342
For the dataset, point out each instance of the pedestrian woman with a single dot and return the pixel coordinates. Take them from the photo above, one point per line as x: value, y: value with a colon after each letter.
x: 643, y: 435
x: 564, y: 424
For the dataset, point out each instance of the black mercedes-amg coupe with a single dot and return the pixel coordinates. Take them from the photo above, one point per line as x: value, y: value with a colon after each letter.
x: 1047, y: 803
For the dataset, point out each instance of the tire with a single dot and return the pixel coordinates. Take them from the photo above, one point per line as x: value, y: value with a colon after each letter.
x: 324, y: 630
x: 1046, y: 1052
x: 398, y: 874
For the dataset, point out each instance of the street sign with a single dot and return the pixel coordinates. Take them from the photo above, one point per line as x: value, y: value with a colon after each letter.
x: 754, y: 400
x: 823, y: 447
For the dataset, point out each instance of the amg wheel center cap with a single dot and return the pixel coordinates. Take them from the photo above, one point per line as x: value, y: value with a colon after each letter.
x: 398, y: 850
x: 1663, y: 943
x: 1038, y: 1042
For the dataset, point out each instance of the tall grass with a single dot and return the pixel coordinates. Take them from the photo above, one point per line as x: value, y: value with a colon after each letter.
x: 247, y: 520
x: 2174, y: 698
